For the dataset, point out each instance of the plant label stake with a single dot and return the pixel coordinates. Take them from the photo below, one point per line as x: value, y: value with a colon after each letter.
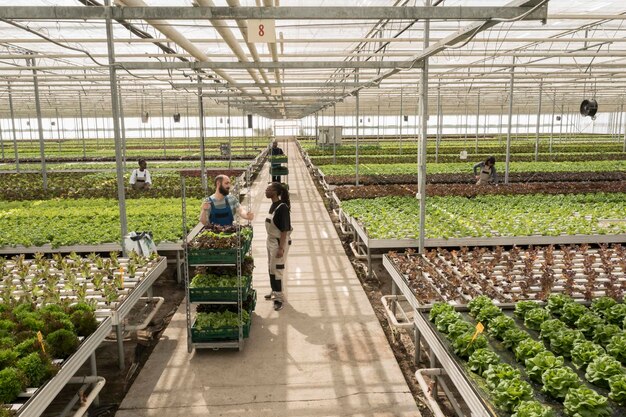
x: 479, y: 329
x: 40, y: 340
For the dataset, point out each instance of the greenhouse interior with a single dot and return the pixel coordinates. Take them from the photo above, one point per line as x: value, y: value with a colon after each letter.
x: 295, y: 208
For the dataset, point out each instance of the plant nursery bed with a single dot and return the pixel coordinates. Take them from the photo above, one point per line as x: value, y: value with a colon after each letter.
x: 457, y: 276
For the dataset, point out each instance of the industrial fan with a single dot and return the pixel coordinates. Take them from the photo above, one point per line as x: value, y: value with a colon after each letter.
x: 589, y: 108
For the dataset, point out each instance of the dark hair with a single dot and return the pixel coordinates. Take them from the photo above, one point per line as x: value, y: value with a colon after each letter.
x: 283, y: 193
x: 140, y: 160
x: 491, y: 160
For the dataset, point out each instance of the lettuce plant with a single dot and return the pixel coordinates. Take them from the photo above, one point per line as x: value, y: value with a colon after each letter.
x: 583, y: 402
x: 557, y: 381
x: 617, y: 347
x: 537, y: 365
x: 585, y: 351
x: 445, y: 319
x: 12, y: 382
x: 616, y: 314
x: 556, y: 302
x: 512, y: 337
x: 499, y: 372
x: 437, y: 309
x: 511, y: 392
x: 464, y: 346
x: 603, y: 333
x: 488, y: 313
x: 572, y: 312
x: 550, y: 327
x: 533, y: 409
x: 499, y: 325
x: 617, y: 384
x: 535, y: 317
x: 481, y: 359
x: 523, y: 307
x: 601, y: 369
x: 460, y: 327
x: 527, y: 348
x: 478, y: 303
x: 600, y: 305
x: 588, y: 322
x: 562, y: 342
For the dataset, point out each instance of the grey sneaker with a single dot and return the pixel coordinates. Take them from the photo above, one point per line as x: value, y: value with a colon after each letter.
x: 278, y: 305
x: 270, y: 296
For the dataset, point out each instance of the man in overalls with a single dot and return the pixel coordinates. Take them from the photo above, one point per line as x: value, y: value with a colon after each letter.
x: 140, y: 178
x: 487, y: 169
x: 278, y: 227
x: 220, y: 207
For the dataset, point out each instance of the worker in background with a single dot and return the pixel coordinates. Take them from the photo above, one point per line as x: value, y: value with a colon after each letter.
x: 278, y: 226
x: 220, y: 208
x: 274, y: 152
x: 140, y: 178
x: 485, y: 172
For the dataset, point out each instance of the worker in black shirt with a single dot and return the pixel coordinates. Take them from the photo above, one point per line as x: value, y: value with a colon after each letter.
x: 278, y: 226
x: 275, y: 151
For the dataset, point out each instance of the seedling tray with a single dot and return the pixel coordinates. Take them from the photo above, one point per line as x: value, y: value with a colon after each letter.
x: 200, y: 294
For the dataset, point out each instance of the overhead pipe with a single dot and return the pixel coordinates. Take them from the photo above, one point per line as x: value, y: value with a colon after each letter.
x: 221, y: 26
x: 171, y: 33
x: 243, y: 28
x: 272, y: 46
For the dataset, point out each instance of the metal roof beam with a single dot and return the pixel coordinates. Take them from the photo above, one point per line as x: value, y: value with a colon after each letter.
x: 467, y: 13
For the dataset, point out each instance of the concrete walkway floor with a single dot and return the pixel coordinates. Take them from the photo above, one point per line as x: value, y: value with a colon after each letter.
x: 324, y: 354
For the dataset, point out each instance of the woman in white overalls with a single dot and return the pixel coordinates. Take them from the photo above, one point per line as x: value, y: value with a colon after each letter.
x: 278, y: 227
x: 487, y: 170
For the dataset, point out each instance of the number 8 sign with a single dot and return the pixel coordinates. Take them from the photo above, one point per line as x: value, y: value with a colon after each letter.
x: 261, y: 31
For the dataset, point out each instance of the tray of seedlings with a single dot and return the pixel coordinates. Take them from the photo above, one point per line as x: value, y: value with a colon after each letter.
x: 507, y: 276
x: 55, y: 311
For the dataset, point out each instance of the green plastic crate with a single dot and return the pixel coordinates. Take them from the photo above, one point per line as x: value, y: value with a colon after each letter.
x: 217, y: 256
x: 278, y: 159
x: 219, y: 335
x: 199, y: 294
x: 223, y: 333
x: 279, y: 171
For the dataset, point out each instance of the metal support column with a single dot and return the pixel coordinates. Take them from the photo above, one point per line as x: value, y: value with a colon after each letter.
x: 44, y: 173
x: 624, y: 145
x: 230, y: 137
x: 334, y: 133
x: 245, y: 137
x: 538, y: 122
x: 1, y: 141
x: 163, y: 126
x: 401, y: 119
x: 205, y: 188
x: 317, y: 138
x: 123, y: 129
x: 509, y: 127
x: 378, y: 121
x: 356, y: 165
x: 421, y: 171
x: 56, y: 117
x: 82, y: 125
x: 477, y: 122
x: 552, y: 123
x: 14, y: 131
x: 439, y: 122
x: 121, y: 197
